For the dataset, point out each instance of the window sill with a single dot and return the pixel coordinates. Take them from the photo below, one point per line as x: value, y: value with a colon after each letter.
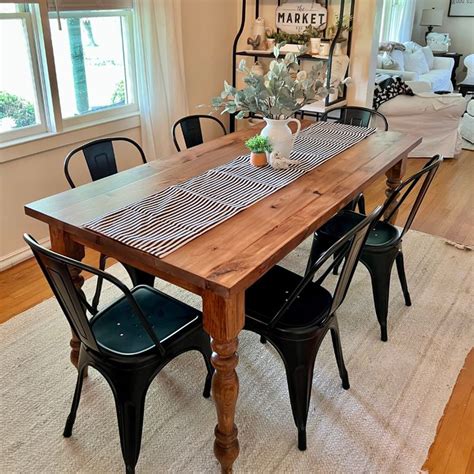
x: 32, y: 145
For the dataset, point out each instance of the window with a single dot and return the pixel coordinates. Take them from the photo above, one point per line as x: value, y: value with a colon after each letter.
x: 92, y: 61
x: 61, y: 69
x: 21, y: 100
x: 397, y: 20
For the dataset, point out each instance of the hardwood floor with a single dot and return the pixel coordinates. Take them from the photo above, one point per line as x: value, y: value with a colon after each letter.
x: 448, y: 211
x: 453, y: 448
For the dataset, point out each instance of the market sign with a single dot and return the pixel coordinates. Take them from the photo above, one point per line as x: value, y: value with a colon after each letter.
x: 295, y: 16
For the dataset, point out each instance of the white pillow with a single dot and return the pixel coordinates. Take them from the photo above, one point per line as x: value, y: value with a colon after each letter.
x: 416, y: 62
x: 379, y: 61
x: 428, y: 56
x: 397, y: 56
x: 388, y: 62
x: 411, y: 46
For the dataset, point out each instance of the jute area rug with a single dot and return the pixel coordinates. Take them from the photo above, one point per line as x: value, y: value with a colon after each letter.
x: 384, y: 423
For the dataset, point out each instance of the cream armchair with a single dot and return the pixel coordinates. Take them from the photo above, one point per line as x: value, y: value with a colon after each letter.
x: 434, y: 117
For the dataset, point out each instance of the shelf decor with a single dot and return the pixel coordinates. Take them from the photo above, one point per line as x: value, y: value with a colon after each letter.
x: 276, y: 96
x: 303, y: 23
x: 295, y: 16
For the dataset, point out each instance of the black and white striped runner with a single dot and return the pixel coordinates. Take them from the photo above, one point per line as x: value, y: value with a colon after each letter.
x: 166, y: 220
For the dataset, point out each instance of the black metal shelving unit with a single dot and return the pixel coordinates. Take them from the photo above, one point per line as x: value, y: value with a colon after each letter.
x: 304, y: 57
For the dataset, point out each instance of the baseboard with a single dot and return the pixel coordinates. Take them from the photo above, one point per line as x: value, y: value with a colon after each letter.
x: 20, y: 255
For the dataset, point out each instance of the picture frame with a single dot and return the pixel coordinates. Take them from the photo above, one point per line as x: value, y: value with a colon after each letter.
x: 461, y: 8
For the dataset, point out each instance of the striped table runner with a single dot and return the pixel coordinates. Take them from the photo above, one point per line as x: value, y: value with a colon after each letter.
x: 168, y: 219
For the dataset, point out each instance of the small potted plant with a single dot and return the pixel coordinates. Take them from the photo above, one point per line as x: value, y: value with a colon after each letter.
x: 271, y: 35
x: 259, y: 146
x: 315, y: 35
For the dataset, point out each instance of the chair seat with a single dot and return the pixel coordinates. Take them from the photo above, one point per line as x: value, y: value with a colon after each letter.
x: 269, y: 293
x: 381, y: 235
x: 118, y: 329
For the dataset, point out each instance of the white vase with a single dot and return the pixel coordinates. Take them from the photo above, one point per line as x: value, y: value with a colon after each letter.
x: 280, y: 136
x: 315, y: 45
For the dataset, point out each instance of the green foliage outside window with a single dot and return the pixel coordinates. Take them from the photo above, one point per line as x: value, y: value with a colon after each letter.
x: 19, y: 110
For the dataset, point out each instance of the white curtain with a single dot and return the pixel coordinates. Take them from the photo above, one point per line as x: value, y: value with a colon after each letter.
x: 397, y: 20
x: 160, y: 72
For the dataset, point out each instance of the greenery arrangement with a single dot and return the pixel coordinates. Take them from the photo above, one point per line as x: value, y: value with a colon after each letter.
x: 277, y: 95
x: 313, y: 32
x: 258, y: 144
x: 19, y: 110
x: 346, y: 25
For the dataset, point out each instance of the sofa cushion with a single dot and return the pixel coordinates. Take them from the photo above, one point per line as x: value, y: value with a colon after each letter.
x: 428, y: 56
x: 440, y: 79
x: 415, y: 61
x: 388, y: 89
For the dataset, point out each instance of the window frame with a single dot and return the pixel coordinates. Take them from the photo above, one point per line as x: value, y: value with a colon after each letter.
x: 45, y: 74
x: 35, y: 64
x: 111, y: 112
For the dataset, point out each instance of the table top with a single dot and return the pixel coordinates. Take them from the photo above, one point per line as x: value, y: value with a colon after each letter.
x: 233, y: 255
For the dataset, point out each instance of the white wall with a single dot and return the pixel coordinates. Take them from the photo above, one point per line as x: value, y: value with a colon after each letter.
x: 209, y: 28
x: 32, y: 177
x: 460, y: 29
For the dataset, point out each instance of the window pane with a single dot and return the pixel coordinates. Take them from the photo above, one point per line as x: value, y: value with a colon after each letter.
x: 89, y: 54
x: 18, y: 101
x: 8, y: 8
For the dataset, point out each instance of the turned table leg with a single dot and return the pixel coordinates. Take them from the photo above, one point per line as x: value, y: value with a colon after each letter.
x: 63, y: 244
x: 394, y: 178
x: 223, y: 320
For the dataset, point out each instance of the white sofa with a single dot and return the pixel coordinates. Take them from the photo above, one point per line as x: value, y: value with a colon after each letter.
x: 434, y: 117
x: 438, y: 75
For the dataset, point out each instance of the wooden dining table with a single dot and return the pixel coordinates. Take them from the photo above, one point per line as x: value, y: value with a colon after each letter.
x: 223, y: 262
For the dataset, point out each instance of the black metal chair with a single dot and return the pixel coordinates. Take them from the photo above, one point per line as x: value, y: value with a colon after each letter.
x: 100, y: 157
x: 294, y: 314
x: 191, y: 129
x: 128, y: 342
x: 384, y: 244
x: 100, y: 160
x: 360, y: 117
x: 353, y: 115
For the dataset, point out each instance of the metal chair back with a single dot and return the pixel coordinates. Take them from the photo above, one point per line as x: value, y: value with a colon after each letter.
x: 100, y: 157
x: 192, y: 131
x: 57, y: 270
x: 426, y: 175
x: 353, y: 115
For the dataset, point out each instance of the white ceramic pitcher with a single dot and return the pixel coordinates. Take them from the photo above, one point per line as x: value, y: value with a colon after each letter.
x: 280, y: 136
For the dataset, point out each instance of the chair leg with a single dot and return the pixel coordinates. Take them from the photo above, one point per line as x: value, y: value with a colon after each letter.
x: 139, y: 277
x: 75, y: 402
x: 130, y: 404
x: 380, y: 268
x: 299, y: 358
x: 403, y: 278
x: 206, y: 352
x: 336, y: 342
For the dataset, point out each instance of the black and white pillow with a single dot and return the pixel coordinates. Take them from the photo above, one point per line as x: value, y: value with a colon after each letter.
x: 388, y: 89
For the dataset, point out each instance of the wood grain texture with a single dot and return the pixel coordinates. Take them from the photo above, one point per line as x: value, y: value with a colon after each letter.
x: 230, y: 257
x: 453, y: 448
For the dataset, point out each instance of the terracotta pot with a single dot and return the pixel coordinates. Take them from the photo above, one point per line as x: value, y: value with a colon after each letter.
x: 258, y: 159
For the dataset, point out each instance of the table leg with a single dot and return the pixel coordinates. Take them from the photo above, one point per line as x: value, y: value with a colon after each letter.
x: 223, y: 320
x: 63, y: 244
x: 394, y: 178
